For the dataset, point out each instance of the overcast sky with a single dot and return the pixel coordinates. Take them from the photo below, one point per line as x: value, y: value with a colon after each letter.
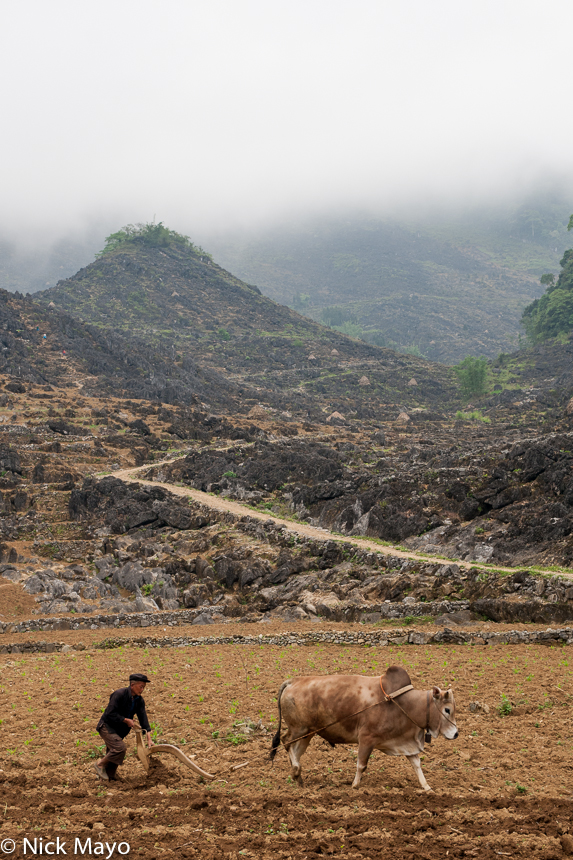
x: 209, y: 113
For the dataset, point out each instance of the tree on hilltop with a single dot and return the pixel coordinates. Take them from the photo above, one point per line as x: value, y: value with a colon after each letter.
x: 552, y: 314
x: 151, y: 234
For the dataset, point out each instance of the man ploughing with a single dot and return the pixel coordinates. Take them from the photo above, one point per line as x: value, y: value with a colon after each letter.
x: 117, y: 721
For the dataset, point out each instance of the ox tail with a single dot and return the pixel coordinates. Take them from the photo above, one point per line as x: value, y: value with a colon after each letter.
x: 277, y: 738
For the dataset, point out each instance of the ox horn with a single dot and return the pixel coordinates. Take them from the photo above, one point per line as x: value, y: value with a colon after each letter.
x: 143, y: 754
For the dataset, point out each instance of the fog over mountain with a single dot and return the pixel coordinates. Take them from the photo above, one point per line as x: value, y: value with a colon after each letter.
x: 220, y: 115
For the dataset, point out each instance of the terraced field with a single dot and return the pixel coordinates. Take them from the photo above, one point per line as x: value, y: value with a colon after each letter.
x: 501, y: 789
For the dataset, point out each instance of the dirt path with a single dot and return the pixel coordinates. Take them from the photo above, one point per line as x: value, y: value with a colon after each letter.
x: 219, y: 503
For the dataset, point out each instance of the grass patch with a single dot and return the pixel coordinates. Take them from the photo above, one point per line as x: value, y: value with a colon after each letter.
x: 475, y: 415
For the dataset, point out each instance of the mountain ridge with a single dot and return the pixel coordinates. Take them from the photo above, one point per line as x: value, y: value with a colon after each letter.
x: 180, y: 301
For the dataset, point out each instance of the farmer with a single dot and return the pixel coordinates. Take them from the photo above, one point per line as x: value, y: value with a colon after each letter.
x: 117, y: 721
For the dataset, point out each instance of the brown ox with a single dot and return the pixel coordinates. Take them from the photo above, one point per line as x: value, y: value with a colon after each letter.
x: 349, y: 709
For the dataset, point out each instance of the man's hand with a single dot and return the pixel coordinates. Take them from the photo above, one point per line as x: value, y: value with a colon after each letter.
x: 149, y: 741
x: 129, y: 722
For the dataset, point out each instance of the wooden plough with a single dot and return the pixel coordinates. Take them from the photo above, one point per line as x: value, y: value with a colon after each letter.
x: 144, y: 752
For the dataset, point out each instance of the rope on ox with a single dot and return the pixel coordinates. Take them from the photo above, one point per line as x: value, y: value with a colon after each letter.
x: 429, y: 699
x: 388, y: 697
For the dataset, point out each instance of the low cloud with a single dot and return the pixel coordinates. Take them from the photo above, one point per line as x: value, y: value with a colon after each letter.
x: 213, y: 115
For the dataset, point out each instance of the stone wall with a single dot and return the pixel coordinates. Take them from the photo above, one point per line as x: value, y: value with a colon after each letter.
x: 370, y: 638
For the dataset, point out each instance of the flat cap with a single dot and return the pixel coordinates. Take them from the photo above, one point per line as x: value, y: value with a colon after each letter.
x: 139, y: 677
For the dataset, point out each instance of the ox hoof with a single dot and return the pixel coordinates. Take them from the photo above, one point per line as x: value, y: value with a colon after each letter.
x: 429, y: 790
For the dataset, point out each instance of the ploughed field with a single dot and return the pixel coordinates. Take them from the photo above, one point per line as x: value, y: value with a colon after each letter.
x: 503, y: 788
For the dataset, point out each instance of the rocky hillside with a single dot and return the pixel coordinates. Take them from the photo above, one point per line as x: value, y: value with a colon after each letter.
x: 349, y: 439
x: 42, y: 345
x: 75, y: 543
x: 448, y: 287
x: 186, y: 307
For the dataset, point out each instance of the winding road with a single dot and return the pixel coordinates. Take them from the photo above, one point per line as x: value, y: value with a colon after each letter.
x: 221, y: 503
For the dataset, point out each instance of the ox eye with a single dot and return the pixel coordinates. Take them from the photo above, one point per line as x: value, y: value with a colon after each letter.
x: 447, y: 710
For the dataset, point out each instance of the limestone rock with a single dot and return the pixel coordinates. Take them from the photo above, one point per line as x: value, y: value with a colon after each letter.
x: 329, y: 606
x: 144, y: 604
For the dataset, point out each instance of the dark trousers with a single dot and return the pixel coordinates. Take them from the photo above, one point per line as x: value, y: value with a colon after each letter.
x: 115, y: 749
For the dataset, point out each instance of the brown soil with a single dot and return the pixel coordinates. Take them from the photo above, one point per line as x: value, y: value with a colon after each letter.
x: 501, y: 789
x: 15, y: 604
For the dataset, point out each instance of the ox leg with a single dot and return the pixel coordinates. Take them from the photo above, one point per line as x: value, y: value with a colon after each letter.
x: 415, y: 762
x: 295, y: 753
x: 364, y: 753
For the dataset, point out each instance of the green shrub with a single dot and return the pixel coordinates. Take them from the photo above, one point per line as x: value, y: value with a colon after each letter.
x: 475, y: 415
x: 472, y: 374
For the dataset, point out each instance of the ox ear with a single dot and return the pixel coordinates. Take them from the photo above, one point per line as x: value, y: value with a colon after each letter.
x: 436, y: 693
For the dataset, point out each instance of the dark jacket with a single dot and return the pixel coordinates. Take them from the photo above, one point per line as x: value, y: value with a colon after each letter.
x: 121, y: 705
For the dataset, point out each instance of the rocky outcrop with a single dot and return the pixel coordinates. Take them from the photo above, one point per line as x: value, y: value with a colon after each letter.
x: 124, y: 507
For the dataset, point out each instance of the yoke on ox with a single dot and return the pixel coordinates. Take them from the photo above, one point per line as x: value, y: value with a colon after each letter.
x: 384, y: 713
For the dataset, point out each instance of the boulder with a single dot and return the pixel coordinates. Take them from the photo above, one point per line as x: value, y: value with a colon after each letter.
x: 34, y: 585
x: 9, y: 460
x: 203, y: 569
x: 144, y: 604
x: 66, y: 429
x: 132, y: 576
x: 228, y: 571
x: 8, y: 554
x: 203, y: 618
x: 463, y: 616
x: 15, y: 387
x: 173, y: 515
x: 196, y: 595
x: 329, y: 606
x: 140, y: 427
